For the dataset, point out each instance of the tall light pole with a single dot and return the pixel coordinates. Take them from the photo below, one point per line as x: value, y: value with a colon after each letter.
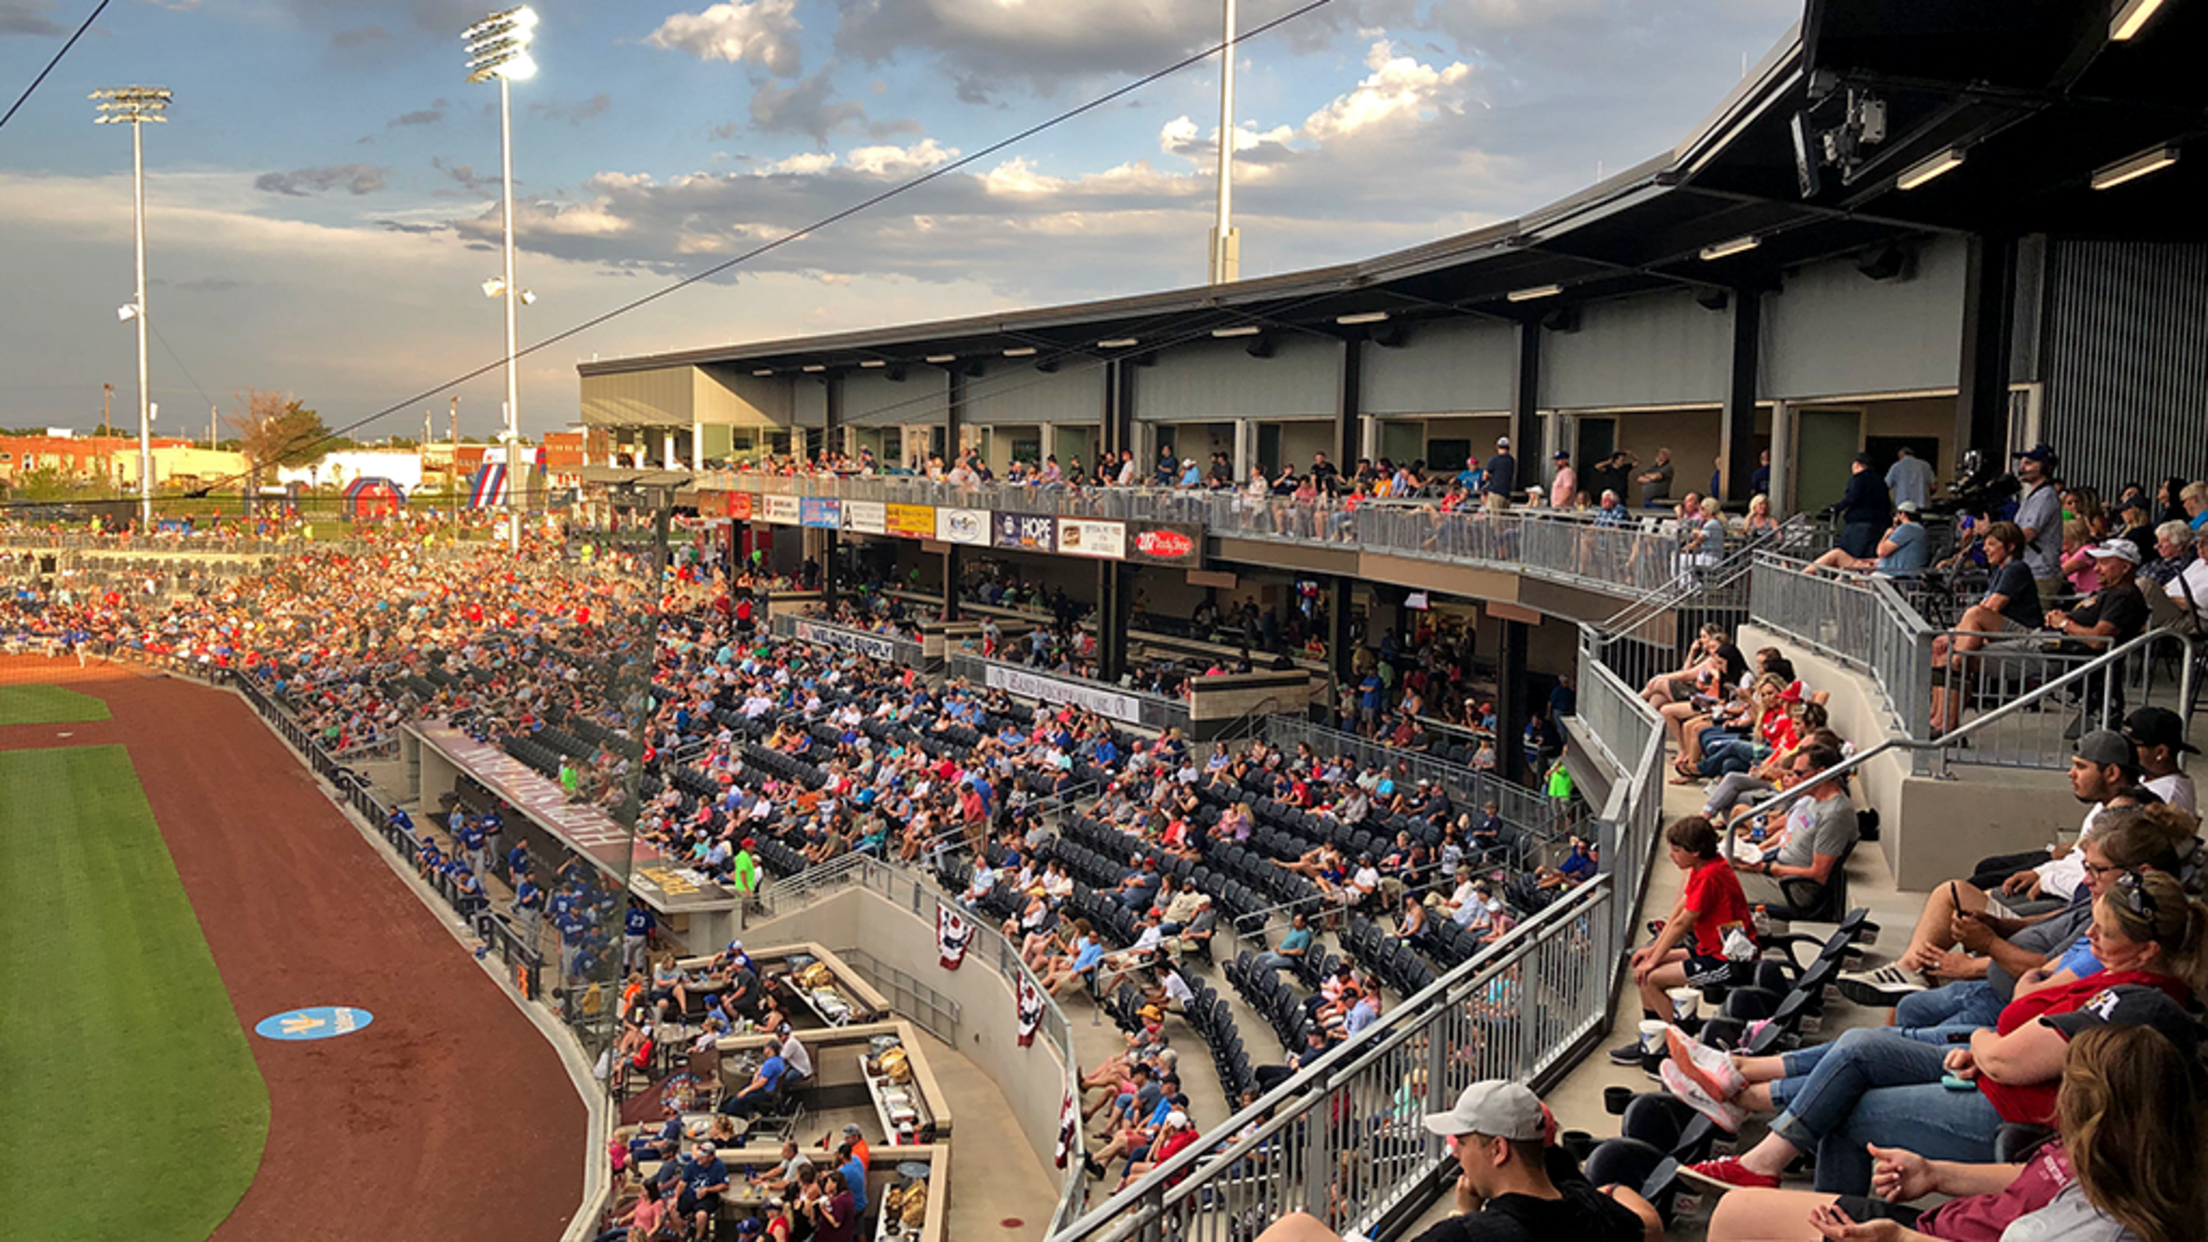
x: 134, y: 106
x: 1226, y: 241
x: 498, y: 47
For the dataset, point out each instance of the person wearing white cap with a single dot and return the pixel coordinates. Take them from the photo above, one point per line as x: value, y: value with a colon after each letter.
x: 1512, y: 1185
x: 1178, y: 1134
x: 1902, y: 551
x: 2116, y: 612
x: 1500, y: 476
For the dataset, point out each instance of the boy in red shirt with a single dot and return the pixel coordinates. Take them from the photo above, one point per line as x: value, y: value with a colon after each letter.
x: 1711, y: 906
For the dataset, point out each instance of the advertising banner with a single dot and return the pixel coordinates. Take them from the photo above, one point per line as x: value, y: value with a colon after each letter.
x: 1090, y: 537
x: 968, y: 526
x: 826, y: 514
x: 912, y: 521
x: 778, y: 510
x: 845, y: 639
x: 867, y: 517
x: 1027, y: 531
x: 1028, y: 685
x: 1165, y: 543
x: 740, y: 506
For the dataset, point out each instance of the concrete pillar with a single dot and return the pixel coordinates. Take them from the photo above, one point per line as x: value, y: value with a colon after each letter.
x: 1114, y: 613
x: 954, y: 416
x: 1351, y: 431
x: 1782, y: 457
x: 1525, y: 403
x: 1511, y: 705
x: 697, y: 446
x: 1245, y: 443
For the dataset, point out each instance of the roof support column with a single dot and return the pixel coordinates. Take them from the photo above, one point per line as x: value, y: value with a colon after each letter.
x: 831, y: 429
x: 1736, y: 437
x: 1114, y: 615
x: 1525, y: 403
x: 1511, y: 698
x: 954, y: 419
x: 1349, y: 401
x: 1119, y: 409
x: 1989, y: 318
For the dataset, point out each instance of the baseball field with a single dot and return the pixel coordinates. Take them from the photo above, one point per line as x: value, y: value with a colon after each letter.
x: 173, y: 879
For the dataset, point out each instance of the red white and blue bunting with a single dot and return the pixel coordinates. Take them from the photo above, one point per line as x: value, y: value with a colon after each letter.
x: 952, y: 934
x: 1030, y: 1008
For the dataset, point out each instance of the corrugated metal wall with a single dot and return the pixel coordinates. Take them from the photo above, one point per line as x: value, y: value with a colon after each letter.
x: 1447, y: 368
x: 1659, y: 349
x: 1834, y: 332
x: 872, y: 399
x: 1218, y: 380
x: 2125, y: 352
x: 657, y: 398
x: 1022, y: 394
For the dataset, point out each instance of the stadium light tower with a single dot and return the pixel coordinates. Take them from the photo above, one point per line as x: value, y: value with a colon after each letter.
x: 1226, y: 241
x: 135, y: 106
x: 498, y: 47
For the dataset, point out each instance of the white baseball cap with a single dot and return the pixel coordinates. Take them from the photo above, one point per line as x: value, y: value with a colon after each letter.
x: 1500, y: 1109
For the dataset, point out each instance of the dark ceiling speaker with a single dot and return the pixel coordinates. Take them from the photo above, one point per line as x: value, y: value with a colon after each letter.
x: 1883, y: 262
x: 1261, y: 347
x: 1712, y: 299
x: 1394, y: 336
x: 895, y: 375
x: 1562, y: 319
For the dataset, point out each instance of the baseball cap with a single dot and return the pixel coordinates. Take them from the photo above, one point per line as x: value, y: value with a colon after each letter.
x: 2038, y: 453
x: 1500, y: 1109
x: 2106, y: 746
x: 1909, y: 506
x: 1862, y: 459
x: 2132, y: 1005
x: 2120, y: 549
x: 1178, y: 1119
x: 852, y: 1129
x: 705, y: 1148
x: 1561, y: 455
x: 1502, y: 442
x: 2158, y: 726
x: 1792, y: 693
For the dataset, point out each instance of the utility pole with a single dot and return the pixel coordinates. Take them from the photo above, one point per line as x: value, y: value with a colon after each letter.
x: 107, y: 400
x: 1226, y: 243
x: 214, y: 428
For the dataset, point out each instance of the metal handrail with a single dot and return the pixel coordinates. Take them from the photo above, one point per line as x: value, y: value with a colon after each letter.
x: 1939, y: 746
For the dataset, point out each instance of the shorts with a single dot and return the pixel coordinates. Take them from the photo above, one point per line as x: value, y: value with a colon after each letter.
x: 1682, y: 689
x: 1863, y: 1208
x: 1706, y: 970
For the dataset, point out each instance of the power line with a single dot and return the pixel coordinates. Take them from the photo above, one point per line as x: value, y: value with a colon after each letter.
x: 903, y: 187
x: 25, y: 96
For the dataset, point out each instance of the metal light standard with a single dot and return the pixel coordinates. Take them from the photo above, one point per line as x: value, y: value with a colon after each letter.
x: 134, y: 106
x: 498, y: 47
x: 1226, y: 240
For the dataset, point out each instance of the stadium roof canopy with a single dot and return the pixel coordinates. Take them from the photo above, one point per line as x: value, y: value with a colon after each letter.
x: 2034, y: 97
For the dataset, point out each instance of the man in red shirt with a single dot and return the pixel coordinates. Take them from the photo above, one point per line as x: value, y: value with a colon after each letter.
x: 1178, y: 1134
x: 1711, y: 906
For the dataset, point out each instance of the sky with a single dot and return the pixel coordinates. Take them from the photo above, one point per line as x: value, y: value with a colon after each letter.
x: 323, y: 203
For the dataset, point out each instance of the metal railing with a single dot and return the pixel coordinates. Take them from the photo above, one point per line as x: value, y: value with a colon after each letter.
x: 1469, y: 789
x: 886, y: 647
x: 1148, y: 711
x: 1344, y: 1139
x: 908, y: 997
x: 1858, y: 620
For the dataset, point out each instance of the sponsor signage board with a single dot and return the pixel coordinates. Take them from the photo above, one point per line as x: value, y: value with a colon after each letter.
x: 912, y: 521
x: 778, y: 510
x: 824, y: 514
x: 1093, y: 538
x: 867, y: 517
x: 1121, y: 707
x: 1027, y: 531
x: 966, y: 526
x: 846, y: 640
x: 1166, y: 544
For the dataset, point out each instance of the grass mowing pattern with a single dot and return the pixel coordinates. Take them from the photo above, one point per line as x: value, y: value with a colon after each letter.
x: 21, y: 705
x: 134, y: 1107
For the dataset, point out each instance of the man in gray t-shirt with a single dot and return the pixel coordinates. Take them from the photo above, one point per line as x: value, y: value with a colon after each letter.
x: 1820, y: 830
x: 2039, y: 512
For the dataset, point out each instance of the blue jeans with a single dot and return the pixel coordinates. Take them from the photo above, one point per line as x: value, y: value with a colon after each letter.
x: 1271, y: 961
x: 1876, y: 1086
x: 1959, y: 1008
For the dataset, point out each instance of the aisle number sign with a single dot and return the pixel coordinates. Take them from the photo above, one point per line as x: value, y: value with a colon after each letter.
x: 321, y: 1022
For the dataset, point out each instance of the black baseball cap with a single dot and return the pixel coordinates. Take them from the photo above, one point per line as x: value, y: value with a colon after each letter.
x: 2039, y: 453
x: 2104, y: 747
x: 2158, y: 726
x: 2132, y: 1005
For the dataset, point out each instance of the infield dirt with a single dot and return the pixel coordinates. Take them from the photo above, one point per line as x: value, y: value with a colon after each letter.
x: 449, y: 1117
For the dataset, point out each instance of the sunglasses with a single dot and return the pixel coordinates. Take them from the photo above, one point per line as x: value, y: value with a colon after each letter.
x: 2133, y: 887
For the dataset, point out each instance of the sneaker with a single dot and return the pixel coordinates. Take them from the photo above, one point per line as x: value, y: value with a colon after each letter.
x: 1726, y: 1174
x: 1710, y: 1068
x: 1690, y: 1093
x: 1626, y: 1054
x: 1882, y: 988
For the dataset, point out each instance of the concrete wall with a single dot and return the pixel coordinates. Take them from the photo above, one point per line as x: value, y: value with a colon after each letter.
x: 1657, y: 349
x: 1930, y: 830
x: 1833, y: 331
x: 1447, y: 368
x: 1219, y: 379
x: 1032, y: 1079
x: 661, y: 397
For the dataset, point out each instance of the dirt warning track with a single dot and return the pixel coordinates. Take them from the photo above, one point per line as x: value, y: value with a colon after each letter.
x: 448, y: 1117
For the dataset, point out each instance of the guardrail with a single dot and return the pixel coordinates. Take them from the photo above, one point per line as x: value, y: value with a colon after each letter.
x: 886, y: 647
x: 1469, y: 789
x: 1856, y: 619
x: 1634, y: 555
x: 1147, y: 711
x: 1343, y: 1139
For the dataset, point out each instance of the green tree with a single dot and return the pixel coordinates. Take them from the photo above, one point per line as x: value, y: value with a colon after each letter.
x: 274, y: 430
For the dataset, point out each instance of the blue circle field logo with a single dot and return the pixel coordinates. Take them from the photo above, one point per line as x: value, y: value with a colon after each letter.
x: 322, y: 1022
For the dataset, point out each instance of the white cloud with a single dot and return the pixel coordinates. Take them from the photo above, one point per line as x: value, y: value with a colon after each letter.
x: 1399, y: 88
x: 890, y: 160
x: 758, y: 32
x: 803, y: 164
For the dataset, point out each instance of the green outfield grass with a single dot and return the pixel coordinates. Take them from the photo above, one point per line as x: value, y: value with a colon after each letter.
x: 134, y: 1107
x: 20, y: 705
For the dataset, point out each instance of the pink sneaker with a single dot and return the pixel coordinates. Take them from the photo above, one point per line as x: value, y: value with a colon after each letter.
x: 1711, y: 1068
x: 1689, y: 1092
x: 1726, y: 1174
